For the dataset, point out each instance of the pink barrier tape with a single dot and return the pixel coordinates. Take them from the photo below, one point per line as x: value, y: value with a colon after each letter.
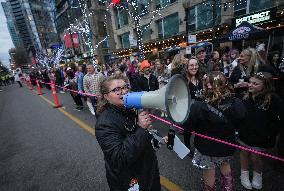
x: 197, y: 134
x: 64, y: 88
x: 221, y: 141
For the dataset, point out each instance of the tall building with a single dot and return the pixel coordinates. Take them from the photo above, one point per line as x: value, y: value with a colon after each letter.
x: 33, y: 24
x: 162, y: 24
x: 215, y: 18
x: 64, y: 16
x: 77, y: 14
x: 11, y: 25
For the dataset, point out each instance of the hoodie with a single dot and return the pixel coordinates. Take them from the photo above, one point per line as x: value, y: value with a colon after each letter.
x: 219, y: 124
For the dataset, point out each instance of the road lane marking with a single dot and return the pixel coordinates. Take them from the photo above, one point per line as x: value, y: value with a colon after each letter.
x: 169, y: 184
x: 73, y: 118
x: 47, y: 100
x: 79, y: 122
x: 164, y: 181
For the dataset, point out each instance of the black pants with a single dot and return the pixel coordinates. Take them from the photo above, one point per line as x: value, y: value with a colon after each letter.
x: 77, y: 100
x: 20, y: 84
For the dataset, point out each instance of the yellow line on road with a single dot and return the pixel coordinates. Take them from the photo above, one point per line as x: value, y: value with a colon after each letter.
x: 164, y: 181
x: 78, y: 121
x: 169, y: 185
x: 73, y: 118
x: 47, y: 100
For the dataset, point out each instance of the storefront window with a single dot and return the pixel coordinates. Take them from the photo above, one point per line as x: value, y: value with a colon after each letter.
x: 168, y: 26
x: 258, y: 5
x: 240, y: 7
x: 205, y: 17
x: 146, y: 33
x: 191, y: 19
x: 163, y: 3
x: 124, y: 40
x: 121, y: 17
x: 105, y: 44
x: 143, y: 7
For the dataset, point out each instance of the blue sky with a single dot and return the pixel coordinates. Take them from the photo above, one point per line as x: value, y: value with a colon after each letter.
x: 5, y: 38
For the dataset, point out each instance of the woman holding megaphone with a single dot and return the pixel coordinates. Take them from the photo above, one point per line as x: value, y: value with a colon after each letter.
x: 130, y: 159
x: 215, y: 116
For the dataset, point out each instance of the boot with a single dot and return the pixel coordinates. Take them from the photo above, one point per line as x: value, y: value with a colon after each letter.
x: 257, y: 180
x: 245, y: 179
x: 205, y: 187
x: 227, y: 182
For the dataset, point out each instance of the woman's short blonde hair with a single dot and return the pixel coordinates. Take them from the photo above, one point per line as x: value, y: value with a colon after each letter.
x: 178, y: 60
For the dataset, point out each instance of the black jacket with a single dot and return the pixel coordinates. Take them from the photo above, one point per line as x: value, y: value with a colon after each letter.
x: 260, y: 126
x: 144, y: 84
x: 202, y: 120
x: 128, y: 151
x: 235, y: 77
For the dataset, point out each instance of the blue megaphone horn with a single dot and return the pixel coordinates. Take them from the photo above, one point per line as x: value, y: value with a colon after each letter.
x: 174, y: 98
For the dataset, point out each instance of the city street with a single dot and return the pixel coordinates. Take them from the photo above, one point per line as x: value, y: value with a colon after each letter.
x: 48, y: 149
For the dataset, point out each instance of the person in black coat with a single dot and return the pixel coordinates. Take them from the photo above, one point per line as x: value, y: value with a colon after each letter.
x: 146, y: 81
x: 260, y: 127
x: 130, y: 159
x: 217, y: 117
x: 242, y: 72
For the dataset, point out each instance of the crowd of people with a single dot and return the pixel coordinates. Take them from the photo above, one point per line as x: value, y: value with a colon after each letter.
x: 238, y: 98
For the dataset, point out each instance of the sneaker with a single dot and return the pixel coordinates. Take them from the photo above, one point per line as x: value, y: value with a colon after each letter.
x: 62, y: 92
x: 93, y: 112
x: 245, y: 180
x: 1, y: 90
x: 78, y: 108
x: 257, y: 180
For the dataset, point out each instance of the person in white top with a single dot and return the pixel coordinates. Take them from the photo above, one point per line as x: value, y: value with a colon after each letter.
x: 18, y: 75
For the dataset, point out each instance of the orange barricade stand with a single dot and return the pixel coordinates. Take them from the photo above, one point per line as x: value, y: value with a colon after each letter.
x: 38, y: 87
x: 55, y: 95
x: 30, y: 85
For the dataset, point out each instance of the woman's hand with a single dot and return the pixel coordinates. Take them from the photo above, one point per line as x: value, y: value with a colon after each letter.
x: 144, y: 120
x: 242, y: 85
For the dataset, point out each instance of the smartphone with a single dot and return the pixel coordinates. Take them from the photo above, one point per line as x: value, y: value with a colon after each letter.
x: 171, y: 138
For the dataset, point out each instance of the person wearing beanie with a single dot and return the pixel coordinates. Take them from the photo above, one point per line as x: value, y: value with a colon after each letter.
x: 146, y: 81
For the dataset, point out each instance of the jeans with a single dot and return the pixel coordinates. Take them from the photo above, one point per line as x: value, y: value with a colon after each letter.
x: 94, y: 102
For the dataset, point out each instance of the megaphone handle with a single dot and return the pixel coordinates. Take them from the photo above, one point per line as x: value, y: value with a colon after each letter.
x: 171, y: 138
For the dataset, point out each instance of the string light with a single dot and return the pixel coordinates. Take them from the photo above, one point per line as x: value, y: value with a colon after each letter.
x: 54, y: 60
x: 132, y: 7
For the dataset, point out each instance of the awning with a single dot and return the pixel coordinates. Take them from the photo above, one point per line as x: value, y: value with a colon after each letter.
x: 201, y: 44
x: 243, y: 31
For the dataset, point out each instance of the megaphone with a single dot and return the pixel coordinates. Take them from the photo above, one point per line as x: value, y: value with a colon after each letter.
x: 174, y: 98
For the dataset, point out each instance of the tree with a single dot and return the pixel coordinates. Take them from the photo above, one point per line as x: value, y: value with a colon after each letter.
x: 19, y: 55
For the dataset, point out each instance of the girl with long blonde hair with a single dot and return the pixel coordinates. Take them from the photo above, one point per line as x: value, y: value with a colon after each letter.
x: 216, y: 117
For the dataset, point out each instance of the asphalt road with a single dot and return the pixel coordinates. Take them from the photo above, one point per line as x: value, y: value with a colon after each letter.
x: 43, y: 148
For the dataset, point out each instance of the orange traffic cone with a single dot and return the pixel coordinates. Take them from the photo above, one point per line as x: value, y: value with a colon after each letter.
x: 30, y: 85
x: 38, y: 87
x: 55, y: 95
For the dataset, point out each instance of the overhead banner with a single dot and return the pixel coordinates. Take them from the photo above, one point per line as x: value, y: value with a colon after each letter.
x: 68, y: 41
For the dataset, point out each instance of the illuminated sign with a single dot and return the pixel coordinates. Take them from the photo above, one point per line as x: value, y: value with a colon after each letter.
x: 258, y: 17
x: 240, y: 33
